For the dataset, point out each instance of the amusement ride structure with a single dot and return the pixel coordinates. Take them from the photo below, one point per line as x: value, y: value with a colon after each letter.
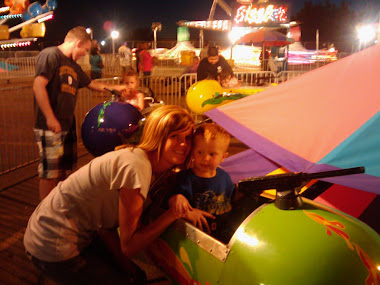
x: 32, y: 17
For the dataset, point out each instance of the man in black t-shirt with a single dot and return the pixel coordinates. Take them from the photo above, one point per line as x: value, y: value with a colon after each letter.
x: 212, y: 65
x: 56, y: 83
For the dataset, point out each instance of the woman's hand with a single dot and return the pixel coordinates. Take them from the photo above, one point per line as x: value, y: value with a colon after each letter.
x: 198, y: 218
x: 180, y: 204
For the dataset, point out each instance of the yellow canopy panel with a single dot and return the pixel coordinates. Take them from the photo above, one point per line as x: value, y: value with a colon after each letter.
x: 33, y: 30
x: 4, y: 32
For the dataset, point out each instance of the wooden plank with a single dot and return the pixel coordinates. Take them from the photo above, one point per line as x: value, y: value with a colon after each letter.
x: 9, y: 279
x: 17, y: 203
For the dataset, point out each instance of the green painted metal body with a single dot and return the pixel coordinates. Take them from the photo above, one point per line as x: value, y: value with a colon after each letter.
x: 311, y: 245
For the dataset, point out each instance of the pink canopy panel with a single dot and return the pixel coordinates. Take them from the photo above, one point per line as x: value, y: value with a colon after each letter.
x: 326, y: 119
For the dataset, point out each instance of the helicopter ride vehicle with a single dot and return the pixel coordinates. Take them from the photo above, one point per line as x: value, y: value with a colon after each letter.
x: 286, y: 239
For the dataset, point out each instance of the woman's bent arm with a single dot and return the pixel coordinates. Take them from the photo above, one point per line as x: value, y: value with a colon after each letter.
x: 132, y: 238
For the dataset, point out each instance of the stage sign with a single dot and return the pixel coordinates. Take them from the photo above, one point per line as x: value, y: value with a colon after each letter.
x: 260, y: 15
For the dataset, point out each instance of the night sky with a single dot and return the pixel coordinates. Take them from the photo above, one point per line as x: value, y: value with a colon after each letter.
x: 128, y: 15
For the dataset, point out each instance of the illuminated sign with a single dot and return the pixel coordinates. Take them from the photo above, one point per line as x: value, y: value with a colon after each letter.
x: 260, y: 15
x: 217, y: 25
x: 244, y: 1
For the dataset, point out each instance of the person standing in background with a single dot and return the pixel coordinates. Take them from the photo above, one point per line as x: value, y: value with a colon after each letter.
x: 96, y: 63
x: 194, y: 67
x: 125, y: 56
x: 212, y: 66
x: 145, y: 64
x: 137, y: 56
x: 95, y: 43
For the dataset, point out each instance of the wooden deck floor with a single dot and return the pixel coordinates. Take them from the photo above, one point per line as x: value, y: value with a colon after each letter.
x: 17, y: 202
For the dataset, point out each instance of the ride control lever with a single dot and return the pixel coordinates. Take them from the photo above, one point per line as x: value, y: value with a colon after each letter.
x: 113, y: 92
x: 286, y: 184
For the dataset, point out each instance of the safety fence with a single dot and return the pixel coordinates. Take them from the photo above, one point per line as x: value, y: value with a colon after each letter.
x: 17, y: 67
x: 17, y: 143
x: 24, y: 67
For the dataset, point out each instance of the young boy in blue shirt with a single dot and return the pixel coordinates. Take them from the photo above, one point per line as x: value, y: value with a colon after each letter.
x: 205, y: 185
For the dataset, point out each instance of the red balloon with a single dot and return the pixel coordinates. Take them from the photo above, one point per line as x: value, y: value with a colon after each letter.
x: 108, y: 26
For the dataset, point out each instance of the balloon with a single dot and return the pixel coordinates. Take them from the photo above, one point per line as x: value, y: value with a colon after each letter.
x: 108, y: 26
x: 107, y: 124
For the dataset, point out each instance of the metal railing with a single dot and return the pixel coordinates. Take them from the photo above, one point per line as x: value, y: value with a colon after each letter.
x: 17, y: 143
x: 24, y: 67
x: 17, y: 67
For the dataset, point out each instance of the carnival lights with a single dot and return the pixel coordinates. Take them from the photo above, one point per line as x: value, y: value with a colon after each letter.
x: 219, y: 25
x: 237, y: 32
x: 366, y: 33
x: 114, y: 35
x: 11, y: 16
x: 17, y: 44
x: 89, y: 31
x: 4, y: 9
x: 43, y: 19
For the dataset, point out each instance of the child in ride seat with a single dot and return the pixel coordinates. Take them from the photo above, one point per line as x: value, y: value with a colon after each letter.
x: 205, y: 185
x: 227, y: 79
x: 132, y: 95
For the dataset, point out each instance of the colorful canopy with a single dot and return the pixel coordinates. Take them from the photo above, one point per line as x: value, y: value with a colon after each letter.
x: 326, y: 119
x: 265, y: 37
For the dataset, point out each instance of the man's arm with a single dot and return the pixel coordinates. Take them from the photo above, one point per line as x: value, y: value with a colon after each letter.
x: 99, y: 86
x: 42, y: 99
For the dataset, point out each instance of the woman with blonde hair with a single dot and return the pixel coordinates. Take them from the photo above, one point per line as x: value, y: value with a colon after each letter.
x: 72, y: 235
